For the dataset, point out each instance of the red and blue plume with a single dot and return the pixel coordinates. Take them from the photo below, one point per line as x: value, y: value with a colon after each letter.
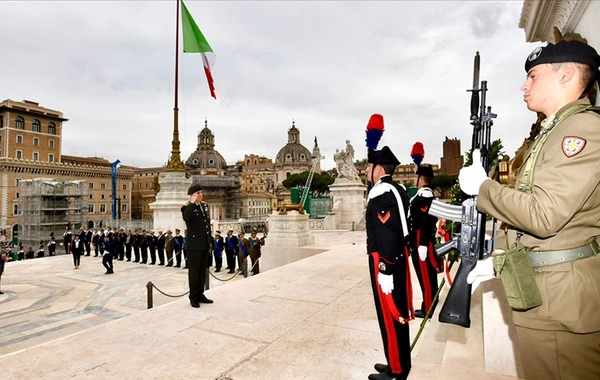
x: 417, y: 153
x: 374, y: 131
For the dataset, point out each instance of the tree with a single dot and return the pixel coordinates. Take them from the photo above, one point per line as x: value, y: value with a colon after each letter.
x: 442, y: 183
x: 319, y: 185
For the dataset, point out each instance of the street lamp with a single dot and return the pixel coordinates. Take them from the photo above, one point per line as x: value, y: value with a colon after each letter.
x: 114, y: 167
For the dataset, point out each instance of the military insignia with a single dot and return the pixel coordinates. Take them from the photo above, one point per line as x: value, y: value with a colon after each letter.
x: 571, y: 145
x: 382, y: 266
x: 424, y: 208
x: 384, y: 216
x: 535, y: 53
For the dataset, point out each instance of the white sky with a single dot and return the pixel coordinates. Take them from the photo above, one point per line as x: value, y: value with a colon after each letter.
x: 109, y: 67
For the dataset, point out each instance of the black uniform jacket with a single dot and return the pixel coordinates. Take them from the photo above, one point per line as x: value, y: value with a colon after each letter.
x: 384, y: 228
x: 197, y: 221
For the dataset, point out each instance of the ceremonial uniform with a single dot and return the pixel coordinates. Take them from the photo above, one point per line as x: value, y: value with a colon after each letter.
x: 387, y: 248
x: 67, y: 239
x: 422, y: 228
x: 178, y: 246
x: 231, y: 250
x: 388, y: 254
x: 255, y: 252
x: 561, y: 212
x: 218, y: 251
x: 160, y: 247
x: 556, y: 205
x: 198, y: 243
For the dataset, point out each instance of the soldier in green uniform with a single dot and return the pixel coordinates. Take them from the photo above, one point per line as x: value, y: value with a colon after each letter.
x: 556, y: 205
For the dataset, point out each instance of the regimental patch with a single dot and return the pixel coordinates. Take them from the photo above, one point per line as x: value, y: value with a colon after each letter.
x: 572, y: 145
x: 424, y: 208
x: 384, y: 216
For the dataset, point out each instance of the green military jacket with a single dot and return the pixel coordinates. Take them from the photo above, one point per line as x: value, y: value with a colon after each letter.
x: 561, y: 211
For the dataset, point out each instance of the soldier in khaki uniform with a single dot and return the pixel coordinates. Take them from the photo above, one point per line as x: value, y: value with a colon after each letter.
x: 556, y: 204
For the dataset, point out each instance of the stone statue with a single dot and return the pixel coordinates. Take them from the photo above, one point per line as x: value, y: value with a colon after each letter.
x: 344, y: 161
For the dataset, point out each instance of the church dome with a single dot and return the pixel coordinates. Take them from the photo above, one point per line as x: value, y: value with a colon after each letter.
x: 205, y: 159
x: 293, y: 153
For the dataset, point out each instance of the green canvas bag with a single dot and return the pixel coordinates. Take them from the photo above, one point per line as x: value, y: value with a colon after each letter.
x: 514, y: 269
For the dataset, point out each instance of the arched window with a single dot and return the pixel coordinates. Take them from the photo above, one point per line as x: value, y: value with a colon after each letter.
x: 36, y: 126
x: 19, y: 122
x: 51, y: 128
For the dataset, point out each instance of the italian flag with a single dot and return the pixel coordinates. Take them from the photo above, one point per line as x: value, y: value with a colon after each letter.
x: 194, y: 42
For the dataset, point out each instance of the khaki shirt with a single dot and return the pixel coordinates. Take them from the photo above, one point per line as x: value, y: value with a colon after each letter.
x: 562, y: 211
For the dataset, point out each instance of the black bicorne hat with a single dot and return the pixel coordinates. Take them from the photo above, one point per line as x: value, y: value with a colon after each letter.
x: 385, y: 156
x: 425, y: 170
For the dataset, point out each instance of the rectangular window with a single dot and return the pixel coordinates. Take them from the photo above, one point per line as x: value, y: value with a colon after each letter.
x: 123, y: 207
x: 102, y: 208
x: 18, y: 182
x: 124, y: 186
x: 50, y: 157
x: 91, y: 208
x: 19, y: 154
x: 91, y: 185
x: 19, y: 139
x: 91, y: 196
x: 51, y: 143
x: 102, y: 196
x: 103, y: 186
x: 15, y: 209
x: 36, y: 141
x: 36, y: 156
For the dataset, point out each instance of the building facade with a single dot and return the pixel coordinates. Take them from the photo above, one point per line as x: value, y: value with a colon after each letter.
x: 31, y: 147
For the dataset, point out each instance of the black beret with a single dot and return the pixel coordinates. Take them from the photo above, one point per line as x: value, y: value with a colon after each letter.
x: 425, y: 171
x: 385, y: 156
x: 194, y: 187
x: 563, y: 51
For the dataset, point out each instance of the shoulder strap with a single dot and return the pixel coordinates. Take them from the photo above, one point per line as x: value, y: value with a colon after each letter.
x: 526, y: 181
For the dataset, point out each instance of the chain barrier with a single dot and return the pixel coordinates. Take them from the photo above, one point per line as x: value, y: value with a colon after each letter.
x: 150, y: 285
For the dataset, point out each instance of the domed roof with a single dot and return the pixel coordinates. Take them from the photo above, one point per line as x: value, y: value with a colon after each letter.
x: 293, y: 153
x: 205, y: 158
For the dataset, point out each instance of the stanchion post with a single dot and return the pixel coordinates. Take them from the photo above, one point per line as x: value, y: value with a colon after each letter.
x: 149, y: 286
x: 207, y: 279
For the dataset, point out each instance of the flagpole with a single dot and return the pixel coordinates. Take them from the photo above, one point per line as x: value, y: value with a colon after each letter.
x: 175, y: 164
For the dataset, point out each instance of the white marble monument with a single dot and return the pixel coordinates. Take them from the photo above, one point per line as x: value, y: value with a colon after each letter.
x: 170, y: 198
x: 289, y: 229
x: 347, y: 192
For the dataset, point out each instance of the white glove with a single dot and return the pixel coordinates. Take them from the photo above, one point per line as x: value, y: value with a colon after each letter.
x: 471, y: 177
x: 422, y: 252
x: 386, y: 282
x: 483, y: 271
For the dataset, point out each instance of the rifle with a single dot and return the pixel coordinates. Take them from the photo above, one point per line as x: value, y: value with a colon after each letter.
x: 470, y: 243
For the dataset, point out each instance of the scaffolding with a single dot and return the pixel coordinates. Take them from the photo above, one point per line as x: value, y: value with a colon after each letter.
x: 47, y: 207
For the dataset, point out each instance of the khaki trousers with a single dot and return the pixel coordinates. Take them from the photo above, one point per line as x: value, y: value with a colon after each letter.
x: 559, y: 355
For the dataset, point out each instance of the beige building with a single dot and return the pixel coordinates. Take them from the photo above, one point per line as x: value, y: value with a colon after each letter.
x: 31, y: 147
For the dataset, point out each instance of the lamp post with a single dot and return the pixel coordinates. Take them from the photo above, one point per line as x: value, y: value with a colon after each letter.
x: 114, y: 167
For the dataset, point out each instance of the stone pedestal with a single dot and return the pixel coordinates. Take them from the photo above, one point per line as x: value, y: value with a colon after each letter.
x: 500, y: 348
x: 170, y: 198
x: 348, y: 203
x: 289, y: 230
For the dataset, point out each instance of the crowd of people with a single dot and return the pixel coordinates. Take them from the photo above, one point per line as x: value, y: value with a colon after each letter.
x: 145, y: 247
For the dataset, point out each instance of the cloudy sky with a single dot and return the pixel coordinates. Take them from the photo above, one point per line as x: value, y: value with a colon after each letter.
x: 109, y: 67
